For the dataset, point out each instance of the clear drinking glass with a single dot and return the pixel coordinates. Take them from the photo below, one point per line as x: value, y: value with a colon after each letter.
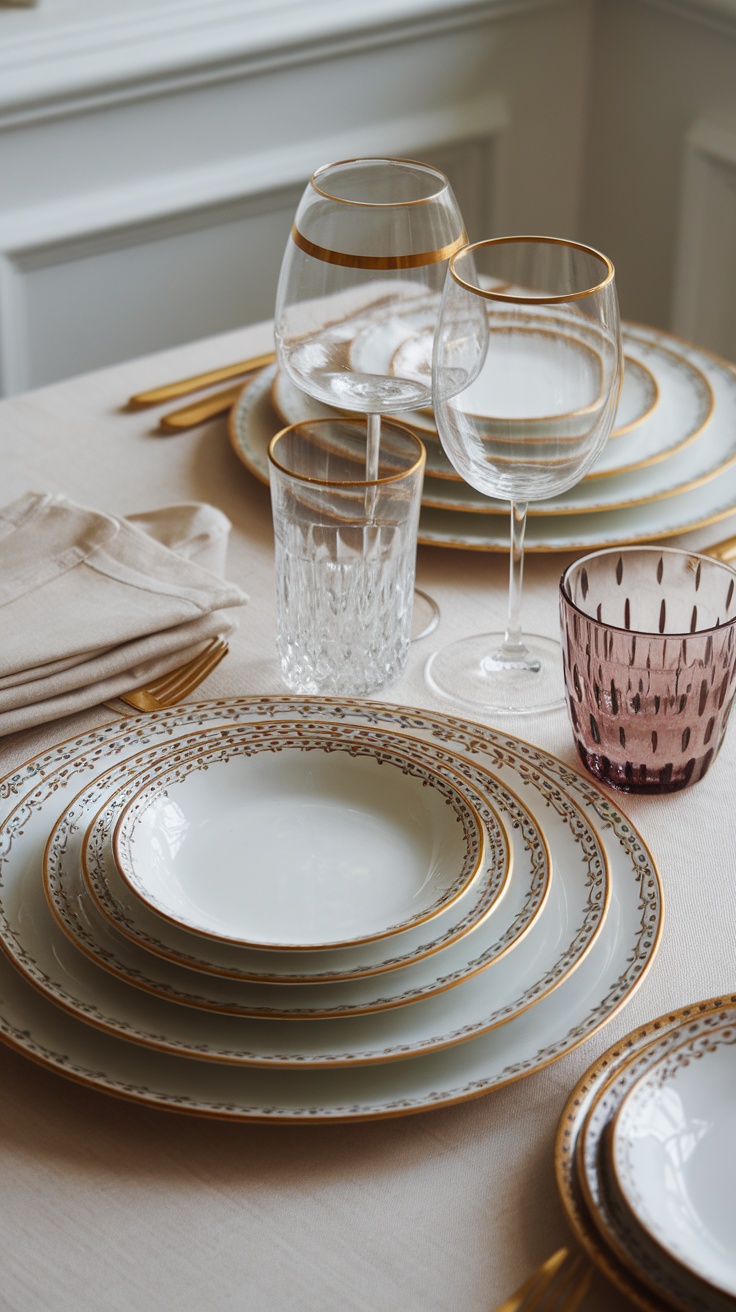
x: 360, y: 286
x: 526, y: 378
x: 345, y: 554
x: 649, y: 647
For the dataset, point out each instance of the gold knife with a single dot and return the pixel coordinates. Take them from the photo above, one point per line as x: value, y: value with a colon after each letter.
x: 199, y: 411
x: 184, y: 386
x: 725, y: 551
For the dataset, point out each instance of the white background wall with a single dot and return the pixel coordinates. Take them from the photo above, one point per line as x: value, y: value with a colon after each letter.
x: 151, y: 155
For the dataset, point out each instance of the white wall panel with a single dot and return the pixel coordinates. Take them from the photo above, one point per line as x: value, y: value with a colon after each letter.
x: 704, y: 305
x: 656, y: 67
x: 123, y: 272
x: 148, y: 186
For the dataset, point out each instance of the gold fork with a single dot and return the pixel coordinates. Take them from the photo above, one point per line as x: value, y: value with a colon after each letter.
x: 558, y: 1285
x: 175, y: 686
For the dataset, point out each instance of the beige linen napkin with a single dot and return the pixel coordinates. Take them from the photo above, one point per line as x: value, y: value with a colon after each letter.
x: 92, y: 605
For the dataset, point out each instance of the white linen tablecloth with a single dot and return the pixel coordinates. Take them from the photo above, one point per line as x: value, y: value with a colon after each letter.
x: 107, y: 1205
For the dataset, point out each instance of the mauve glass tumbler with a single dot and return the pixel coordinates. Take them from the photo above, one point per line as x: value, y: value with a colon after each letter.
x: 649, y: 654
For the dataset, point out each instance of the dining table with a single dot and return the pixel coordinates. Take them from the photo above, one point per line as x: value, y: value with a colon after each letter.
x: 108, y: 1204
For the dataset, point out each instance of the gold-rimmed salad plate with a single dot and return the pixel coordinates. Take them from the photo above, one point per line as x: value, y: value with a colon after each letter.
x: 672, y: 1157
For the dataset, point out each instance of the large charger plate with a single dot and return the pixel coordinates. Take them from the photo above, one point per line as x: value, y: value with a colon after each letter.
x: 660, y: 422
x: 412, y: 973
x: 253, y: 422
x: 611, y: 1240
x: 606, y: 978
x: 556, y: 945
x: 707, y: 413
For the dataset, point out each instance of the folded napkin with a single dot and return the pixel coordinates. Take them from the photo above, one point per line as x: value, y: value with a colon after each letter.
x: 92, y: 606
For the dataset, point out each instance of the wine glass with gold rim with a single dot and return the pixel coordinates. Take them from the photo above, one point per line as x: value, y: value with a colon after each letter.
x: 526, y: 379
x: 360, y: 285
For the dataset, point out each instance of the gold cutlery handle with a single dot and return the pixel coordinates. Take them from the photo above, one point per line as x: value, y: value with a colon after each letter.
x: 191, y: 415
x: 725, y: 551
x: 186, y: 385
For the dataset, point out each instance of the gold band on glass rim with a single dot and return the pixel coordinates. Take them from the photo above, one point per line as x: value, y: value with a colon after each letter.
x: 502, y: 296
x: 379, y: 159
x: 347, y: 483
x: 377, y: 263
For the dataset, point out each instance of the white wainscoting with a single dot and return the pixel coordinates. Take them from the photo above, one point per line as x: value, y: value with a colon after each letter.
x: 123, y: 271
x: 704, y: 307
x: 152, y: 155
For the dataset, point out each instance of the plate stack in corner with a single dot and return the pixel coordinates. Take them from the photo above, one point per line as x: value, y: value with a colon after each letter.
x: 646, y: 1157
x: 297, y: 908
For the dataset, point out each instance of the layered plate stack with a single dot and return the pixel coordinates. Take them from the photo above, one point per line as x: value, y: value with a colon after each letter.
x: 646, y: 1157
x: 303, y: 908
x: 669, y: 465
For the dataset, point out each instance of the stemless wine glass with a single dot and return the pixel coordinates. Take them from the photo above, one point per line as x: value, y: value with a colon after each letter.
x: 360, y: 286
x: 527, y: 372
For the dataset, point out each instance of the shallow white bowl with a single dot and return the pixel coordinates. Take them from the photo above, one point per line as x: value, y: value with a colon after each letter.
x: 296, y: 844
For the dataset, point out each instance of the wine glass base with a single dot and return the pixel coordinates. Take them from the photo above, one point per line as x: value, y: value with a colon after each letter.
x: 471, y: 674
x: 425, y: 617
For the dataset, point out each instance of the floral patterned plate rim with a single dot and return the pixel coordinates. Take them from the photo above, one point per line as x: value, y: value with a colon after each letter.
x: 515, y: 904
x: 606, y: 978
x: 557, y: 943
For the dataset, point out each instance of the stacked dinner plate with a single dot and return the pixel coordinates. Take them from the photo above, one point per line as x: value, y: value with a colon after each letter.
x: 669, y: 465
x: 288, y: 908
x: 646, y: 1159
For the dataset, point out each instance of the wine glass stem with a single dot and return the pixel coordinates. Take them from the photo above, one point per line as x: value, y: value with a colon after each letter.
x: 372, y: 450
x: 512, y: 647
x: 373, y: 446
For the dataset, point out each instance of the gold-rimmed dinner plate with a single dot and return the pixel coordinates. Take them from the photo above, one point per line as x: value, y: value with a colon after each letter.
x: 294, y: 843
x: 252, y: 421
x: 698, y: 443
x: 610, y: 1237
x: 290, y: 406
x: 412, y: 358
x: 488, y: 995
x: 616, y: 963
x: 666, y: 403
